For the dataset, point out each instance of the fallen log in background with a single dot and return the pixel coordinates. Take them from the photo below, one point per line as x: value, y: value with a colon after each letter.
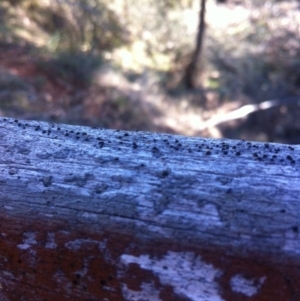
x: 93, y: 214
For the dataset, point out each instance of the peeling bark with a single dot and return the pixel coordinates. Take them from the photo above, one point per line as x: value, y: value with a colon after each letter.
x: 94, y: 214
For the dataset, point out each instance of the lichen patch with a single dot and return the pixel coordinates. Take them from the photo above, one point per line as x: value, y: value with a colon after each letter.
x: 184, y: 271
x: 247, y: 287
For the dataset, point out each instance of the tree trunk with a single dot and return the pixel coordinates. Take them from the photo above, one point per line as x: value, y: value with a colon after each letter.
x: 190, y: 73
x: 93, y: 214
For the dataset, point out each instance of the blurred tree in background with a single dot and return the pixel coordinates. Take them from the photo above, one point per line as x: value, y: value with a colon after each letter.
x: 191, y: 69
x: 120, y: 64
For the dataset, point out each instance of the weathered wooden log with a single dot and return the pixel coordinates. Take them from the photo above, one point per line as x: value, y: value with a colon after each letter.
x: 94, y: 214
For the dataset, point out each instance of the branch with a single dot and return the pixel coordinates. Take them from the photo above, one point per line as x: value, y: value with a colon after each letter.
x: 246, y: 110
x: 93, y: 214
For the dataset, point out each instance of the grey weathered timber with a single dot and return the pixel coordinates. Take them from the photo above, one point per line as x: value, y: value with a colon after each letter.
x: 94, y: 214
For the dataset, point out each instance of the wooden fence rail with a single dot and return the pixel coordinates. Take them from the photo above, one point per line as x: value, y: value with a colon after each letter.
x: 94, y: 214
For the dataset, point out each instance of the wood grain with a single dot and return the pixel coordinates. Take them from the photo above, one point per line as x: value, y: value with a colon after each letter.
x: 96, y: 214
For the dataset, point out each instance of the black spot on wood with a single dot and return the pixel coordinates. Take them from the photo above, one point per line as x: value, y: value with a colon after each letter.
x: 165, y: 173
x: 47, y: 181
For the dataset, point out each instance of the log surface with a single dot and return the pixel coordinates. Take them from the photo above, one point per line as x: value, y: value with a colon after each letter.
x: 94, y: 214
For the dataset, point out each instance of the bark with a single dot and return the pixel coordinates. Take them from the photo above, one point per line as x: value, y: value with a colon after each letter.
x: 94, y: 214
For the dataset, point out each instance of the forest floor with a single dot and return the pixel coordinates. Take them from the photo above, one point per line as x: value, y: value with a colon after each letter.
x: 30, y: 89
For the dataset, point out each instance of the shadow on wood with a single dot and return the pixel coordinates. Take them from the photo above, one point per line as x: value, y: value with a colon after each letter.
x: 94, y: 214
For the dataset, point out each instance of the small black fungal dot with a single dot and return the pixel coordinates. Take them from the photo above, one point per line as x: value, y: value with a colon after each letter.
x: 234, y: 147
x: 154, y: 149
x: 238, y: 153
x: 295, y: 229
x: 267, y: 145
x: 282, y: 211
x: 265, y: 156
x: 84, y: 133
x: 101, y: 144
x: 274, y: 156
x: 289, y: 158
x: 291, y: 148
x: 37, y: 128
x: 134, y: 145
x: 255, y: 155
x: 66, y: 134
x: 58, y: 128
x: 126, y: 134
x: 225, y: 153
x: 116, y: 159
x: 208, y: 153
x: 229, y: 190
x: 176, y: 141
x: 16, y: 120
x: 165, y: 173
